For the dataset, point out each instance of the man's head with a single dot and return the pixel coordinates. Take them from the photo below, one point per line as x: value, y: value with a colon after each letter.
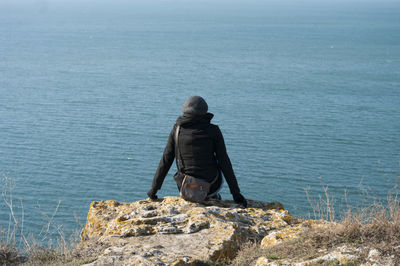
x: 195, y: 105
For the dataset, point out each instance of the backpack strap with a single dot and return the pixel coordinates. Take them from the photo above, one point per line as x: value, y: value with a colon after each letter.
x: 178, y: 154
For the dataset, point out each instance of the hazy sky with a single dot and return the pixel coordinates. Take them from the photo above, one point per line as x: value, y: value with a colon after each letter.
x: 199, y: 5
x: 46, y: 3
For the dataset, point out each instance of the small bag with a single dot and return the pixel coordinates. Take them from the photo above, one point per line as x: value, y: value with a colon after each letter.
x: 192, y: 188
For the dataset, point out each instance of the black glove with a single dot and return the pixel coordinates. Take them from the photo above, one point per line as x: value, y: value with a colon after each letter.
x: 152, y: 194
x: 238, y: 198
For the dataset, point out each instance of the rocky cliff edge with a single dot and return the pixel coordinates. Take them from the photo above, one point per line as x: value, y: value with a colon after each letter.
x: 172, y: 231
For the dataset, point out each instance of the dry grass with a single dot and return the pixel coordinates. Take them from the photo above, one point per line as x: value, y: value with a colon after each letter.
x: 9, y: 254
x: 377, y: 226
x: 62, y: 253
x: 18, y: 249
x: 74, y: 255
x: 248, y: 253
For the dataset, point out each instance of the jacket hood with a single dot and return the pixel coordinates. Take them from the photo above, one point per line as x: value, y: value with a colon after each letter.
x: 194, y: 119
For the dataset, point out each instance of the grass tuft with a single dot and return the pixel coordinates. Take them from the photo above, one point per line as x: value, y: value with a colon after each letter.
x: 16, y: 248
x: 247, y: 254
x: 9, y: 254
x: 373, y: 227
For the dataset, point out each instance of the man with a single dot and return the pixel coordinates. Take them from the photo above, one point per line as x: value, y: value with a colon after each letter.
x: 202, y: 150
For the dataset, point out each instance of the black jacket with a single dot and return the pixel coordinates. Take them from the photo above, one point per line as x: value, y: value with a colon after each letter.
x: 203, y: 152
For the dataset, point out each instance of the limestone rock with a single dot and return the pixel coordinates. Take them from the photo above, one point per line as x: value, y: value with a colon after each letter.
x: 172, y: 231
x: 339, y: 255
x: 336, y: 257
x: 290, y: 232
x: 263, y: 261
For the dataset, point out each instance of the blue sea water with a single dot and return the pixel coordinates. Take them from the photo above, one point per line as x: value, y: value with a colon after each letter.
x: 305, y: 93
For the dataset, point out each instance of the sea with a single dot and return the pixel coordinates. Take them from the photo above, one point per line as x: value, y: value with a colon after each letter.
x: 306, y: 94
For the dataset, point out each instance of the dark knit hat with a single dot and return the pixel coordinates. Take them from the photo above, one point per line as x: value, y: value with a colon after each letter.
x: 195, y: 105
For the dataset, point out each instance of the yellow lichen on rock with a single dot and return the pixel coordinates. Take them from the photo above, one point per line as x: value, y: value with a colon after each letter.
x: 262, y: 261
x: 173, y: 231
x: 293, y: 230
x: 278, y: 237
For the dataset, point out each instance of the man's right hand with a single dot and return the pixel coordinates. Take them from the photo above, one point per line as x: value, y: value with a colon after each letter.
x: 238, y: 198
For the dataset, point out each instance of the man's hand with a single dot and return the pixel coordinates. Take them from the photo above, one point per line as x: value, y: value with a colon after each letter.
x: 152, y: 194
x: 238, y: 198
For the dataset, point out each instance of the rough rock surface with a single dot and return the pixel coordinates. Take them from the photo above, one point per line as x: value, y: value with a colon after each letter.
x: 341, y: 255
x: 344, y: 254
x: 172, y: 231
